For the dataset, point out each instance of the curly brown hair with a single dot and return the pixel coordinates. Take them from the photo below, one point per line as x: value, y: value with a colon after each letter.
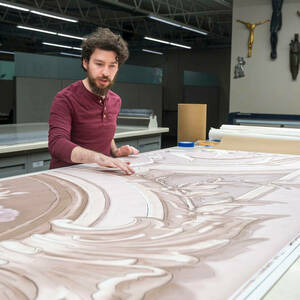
x: 105, y: 39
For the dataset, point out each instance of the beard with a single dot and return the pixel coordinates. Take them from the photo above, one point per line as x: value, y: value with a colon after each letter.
x: 98, y: 90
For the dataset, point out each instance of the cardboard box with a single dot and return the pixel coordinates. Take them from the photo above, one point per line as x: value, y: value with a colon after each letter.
x: 191, y: 122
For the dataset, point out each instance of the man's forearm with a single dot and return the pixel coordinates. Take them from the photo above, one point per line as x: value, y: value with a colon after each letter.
x: 113, y: 148
x: 84, y: 156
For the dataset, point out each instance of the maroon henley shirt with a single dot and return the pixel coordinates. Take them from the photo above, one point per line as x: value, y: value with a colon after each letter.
x: 80, y: 118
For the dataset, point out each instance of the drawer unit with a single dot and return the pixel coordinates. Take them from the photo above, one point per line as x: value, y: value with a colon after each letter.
x: 13, y: 165
x: 131, y: 142
x: 38, y: 162
x: 22, y: 163
x: 144, y: 144
x: 149, y: 144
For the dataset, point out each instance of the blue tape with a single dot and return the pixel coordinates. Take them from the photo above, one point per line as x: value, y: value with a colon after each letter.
x: 186, y: 144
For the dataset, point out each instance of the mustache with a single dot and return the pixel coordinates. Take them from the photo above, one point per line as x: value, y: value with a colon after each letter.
x: 104, y: 78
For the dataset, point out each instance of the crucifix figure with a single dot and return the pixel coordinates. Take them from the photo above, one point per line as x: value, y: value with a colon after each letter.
x: 295, y: 56
x: 251, y: 28
x: 276, y: 22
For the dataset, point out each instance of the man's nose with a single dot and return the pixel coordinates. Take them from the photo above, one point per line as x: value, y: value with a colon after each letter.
x: 105, y: 71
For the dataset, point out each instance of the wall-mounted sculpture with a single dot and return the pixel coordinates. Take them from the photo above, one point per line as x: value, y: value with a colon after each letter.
x: 251, y: 28
x: 294, y: 56
x: 276, y: 23
x: 239, y: 69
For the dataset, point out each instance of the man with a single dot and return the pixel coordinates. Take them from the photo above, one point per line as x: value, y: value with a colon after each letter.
x: 83, y: 116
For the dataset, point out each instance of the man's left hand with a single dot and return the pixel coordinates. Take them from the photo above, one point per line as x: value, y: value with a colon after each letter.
x: 125, y: 151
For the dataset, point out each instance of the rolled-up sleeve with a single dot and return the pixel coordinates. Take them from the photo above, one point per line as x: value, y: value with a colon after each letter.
x: 60, y: 125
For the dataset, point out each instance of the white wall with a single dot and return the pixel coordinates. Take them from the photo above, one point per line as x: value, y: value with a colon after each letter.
x: 268, y: 86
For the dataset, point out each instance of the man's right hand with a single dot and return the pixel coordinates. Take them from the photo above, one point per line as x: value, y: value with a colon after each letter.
x: 110, y: 162
x: 84, y: 156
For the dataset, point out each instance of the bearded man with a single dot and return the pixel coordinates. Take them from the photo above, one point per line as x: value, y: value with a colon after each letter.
x: 83, y: 116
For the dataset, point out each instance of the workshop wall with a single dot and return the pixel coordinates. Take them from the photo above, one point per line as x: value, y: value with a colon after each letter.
x: 167, y: 86
x: 40, y: 77
x: 6, y: 86
x: 267, y: 86
x: 6, y: 95
x: 212, y: 62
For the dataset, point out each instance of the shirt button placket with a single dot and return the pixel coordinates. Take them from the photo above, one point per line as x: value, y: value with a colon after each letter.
x: 104, y: 111
x: 100, y: 102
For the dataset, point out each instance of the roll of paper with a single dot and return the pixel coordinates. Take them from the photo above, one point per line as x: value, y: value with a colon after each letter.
x: 263, y: 130
x: 215, y: 134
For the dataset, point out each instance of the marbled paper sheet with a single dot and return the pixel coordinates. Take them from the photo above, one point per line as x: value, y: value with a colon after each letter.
x: 190, y: 224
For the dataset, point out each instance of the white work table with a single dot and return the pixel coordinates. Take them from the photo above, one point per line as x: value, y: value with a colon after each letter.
x: 24, y: 147
x: 187, y: 221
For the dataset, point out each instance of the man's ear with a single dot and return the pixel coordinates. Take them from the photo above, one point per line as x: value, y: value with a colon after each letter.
x: 85, y: 63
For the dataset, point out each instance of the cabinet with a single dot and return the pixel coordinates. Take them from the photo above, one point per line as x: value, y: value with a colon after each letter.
x: 12, y: 165
x: 143, y: 144
x: 22, y: 162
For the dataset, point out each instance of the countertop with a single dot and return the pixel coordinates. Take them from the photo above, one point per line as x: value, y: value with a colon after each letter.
x: 31, y: 136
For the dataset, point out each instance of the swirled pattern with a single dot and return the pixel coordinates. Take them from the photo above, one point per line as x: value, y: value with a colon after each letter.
x: 187, y: 222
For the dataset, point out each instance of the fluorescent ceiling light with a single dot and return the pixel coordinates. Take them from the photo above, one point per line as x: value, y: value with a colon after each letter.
x: 53, y: 16
x: 71, y: 36
x: 7, y: 52
x: 179, y: 45
x: 37, y: 12
x: 164, y: 21
x: 57, y: 45
x: 70, y: 54
x: 62, y: 46
x: 13, y: 6
x: 195, y: 30
x: 156, y: 40
x: 36, y: 29
x: 168, y: 43
x: 51, y: 32
x: 151, y: 51
x: 160, y: 19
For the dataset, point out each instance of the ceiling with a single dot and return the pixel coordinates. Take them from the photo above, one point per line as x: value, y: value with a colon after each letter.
x: 130, y: 18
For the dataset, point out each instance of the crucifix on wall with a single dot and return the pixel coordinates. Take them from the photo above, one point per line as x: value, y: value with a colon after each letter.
x: 276, y: 22
x: 251, y: 28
